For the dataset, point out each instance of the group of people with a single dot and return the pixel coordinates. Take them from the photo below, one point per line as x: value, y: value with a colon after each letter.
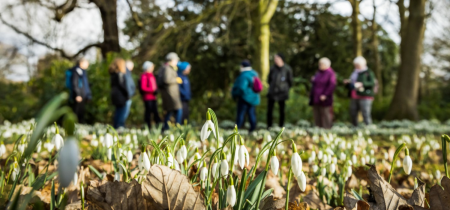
x: 362, y: 87
x: 173, y: 85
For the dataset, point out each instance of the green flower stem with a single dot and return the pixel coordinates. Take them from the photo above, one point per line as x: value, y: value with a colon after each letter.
x: 288, y: 188
x: 445, y: 139
x: 397, y: 152
x: 263, y: 183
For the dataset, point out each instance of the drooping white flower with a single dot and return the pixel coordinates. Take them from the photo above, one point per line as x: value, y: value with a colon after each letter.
x: 109, y: 153
x: 177, y: 166
x: 343, y: 156
x: 354, y: 159
x: 274, y: 164
x: 236, y: 155
x: 315, y: 168
x: 332, y: 168
x: 325, y: 158
x: 386, y: 156
x: 203, y: 173
x: 363, y: 161
x: 349, y: 171
x: 313, y: 155
x: 206, y: 130
x: 301, y: 178
x: 129, y: 156
x: 140, y: 163
x: 3, y: 149
x: 407, y: 164
x: 437, y: 174
x: 296, y: 161
x: 38, y: 147
x: 75, y: 179
x: 324, y: 172
x: 49, y: 146
x: 214, y: 169
x: 231, y: 194
x: 117, y: 176
x: 243, y: 156
x: 146, y: 162
x: 170, y: 160
x: 320, y: 155
x: 58, y: 141
x: 224, y: 168
x: 179, y: 156
x: 108, y: 140
x: 68, y: 161
x: 15, y: 171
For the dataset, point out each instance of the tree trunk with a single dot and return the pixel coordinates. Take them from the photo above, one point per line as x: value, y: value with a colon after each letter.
x: 356, y: 27
x: 376, y: 54
x: 108, y: 12
x: 266, y: 9
x: 404, y: 103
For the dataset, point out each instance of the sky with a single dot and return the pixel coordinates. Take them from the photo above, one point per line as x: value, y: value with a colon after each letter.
x: 83, y: 26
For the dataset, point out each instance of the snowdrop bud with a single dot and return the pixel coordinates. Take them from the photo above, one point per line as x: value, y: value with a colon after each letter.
x: 343, y: 156
x: 15, y: 171
x: 386, y: 156
x: 129, y: 156
x: 315, y: 168
x: 325, y: 159
x: 399, y: 163
x: 38, y: 148
x: 354, y: 159
x: 320, y: 155
x: 145, y: 161
x: 203, y: 173
x: 296, y: 163
x: 75, y: 179
x: 231, y: 193
x: 301, y: 178
x: 108, y: 140
x: 437, y: 174
x: 68, y: 162
x: 109, y: 153
x: 243, y: 156
x: 407, y: 162
x: 334, y: 160
x: 372, y: 152
x: 179, y: 156
x: 313, y: 155
x: 224, y: 168
x: 3, y: 149
x: 324, y: 172
x: 363, y: 161
x: 172, y: 137
x: 206, y: 129
x: 274, y: 163
x: 349, y: 171
x: 214, y: 169
x: 332, y: 168
x: 236, y: 155
x: 117, y: 176
x: 58, y: 141
x: 416, y: 185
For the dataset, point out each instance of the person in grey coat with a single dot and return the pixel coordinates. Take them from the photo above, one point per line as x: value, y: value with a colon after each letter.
x: 280, y: 81
x: 168, y: 84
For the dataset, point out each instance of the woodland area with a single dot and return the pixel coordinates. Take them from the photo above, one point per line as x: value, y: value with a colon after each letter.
x: 214, y: 36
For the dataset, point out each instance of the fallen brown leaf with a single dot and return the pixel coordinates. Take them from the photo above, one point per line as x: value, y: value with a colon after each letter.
x: 440, y: 198
x: 273, y: 182
x: 313, y: 200
x: 270, y: 203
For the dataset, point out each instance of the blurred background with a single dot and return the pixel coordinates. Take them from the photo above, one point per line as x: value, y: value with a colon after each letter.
x: 406, y: 44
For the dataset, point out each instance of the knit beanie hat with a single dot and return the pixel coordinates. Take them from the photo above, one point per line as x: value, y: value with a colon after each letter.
x: 182, y: 65
x: 146, y: 65
x: 245, y: 63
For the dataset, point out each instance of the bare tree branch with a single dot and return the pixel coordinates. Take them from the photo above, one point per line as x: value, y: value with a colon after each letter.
x: 34, y: 40
x: 134, y: 15
x: 62, y: 10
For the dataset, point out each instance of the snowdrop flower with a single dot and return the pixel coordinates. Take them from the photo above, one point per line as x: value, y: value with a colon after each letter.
x: 129, y: 156
x: 386, y: 156
x: 94, y: 143
x: 108, y: 140
x: 437, y: 174
x: 207, y: 128
x: 354, y: 159
x: 325, y: 158
x: 195, y: 157
x: 170, y: 159
x: 182, y: 153
x: 57, y: 139
x: 214, y: 169
x: 3, y: 149
x: 231, y: 193
x: 343, y: 156
x: 15, y: 171
x: 243, y: 155
x: 332, y: 168
x: 127, y: 139
x: 117, y: 176
x: 236, y: 155
x: 49, y: 146
x: 296, y: 161
x: 21, y: 148
x: 38, y: 147
x: 274, y: 163
x: 399, y: 163
x: 407, y: 162
x: 144, y: 162
x: 315, y: 168
x: 177, y: 166
x: 301, y: 178
x: 224, y: 167
x: 109, y: 153
x: 313, y: 155
x: 172, y: 137
x: 324, y: 172
x: 349, y: 171
x: 75, y: 179
x: 68, y: 161
x: 334, y: 160
x: 203, y: 172
x: 320, y: 155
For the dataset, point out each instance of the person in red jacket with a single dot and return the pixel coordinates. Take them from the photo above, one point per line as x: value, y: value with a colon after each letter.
x: 148, y: 88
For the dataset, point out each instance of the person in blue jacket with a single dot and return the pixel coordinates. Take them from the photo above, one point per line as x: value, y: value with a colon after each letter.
x: 184, y: 68
x: 81, y: 92
x: 247, y: 98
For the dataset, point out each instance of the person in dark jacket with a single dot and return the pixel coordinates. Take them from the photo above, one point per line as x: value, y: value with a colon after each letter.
x: 119, y: 91
x: 81, y: 92
x: 247, y: 98
x: 131, y: 87
x: 280, y: 81
x: 148, y: 88
x: 168, y: 81
x: 321, y: 97
x: 361, y: 91
x: 184, y: 68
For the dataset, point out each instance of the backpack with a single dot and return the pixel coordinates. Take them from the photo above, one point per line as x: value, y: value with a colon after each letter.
x: 160, y: 78
x: 69, y: 75
x: 257, y: 85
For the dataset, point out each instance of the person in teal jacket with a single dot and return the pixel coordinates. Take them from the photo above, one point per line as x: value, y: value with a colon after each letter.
x: 246, y: 98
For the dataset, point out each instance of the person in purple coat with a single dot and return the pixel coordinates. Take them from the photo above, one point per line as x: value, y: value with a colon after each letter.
x: 321, y: 97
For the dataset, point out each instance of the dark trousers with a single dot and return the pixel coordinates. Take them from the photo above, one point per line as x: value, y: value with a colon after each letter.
x: 281, y: 106
x: 245, y: 108
x: 363, y: 105
x: 185, y: 116
x: 151, y: 108
x: 323, y: 117
x: 78, y: 109
x: 177, y: 114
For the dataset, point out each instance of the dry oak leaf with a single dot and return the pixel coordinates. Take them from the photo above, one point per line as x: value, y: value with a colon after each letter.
x: 351, y: 203
x: 440, y: 198
x: 387, y: 197
x: 314, y: 201
x: 169, y: 189
x: 273, y: 182
x: 269, y: 203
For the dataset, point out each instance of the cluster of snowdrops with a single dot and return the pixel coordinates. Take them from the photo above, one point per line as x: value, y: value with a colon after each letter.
x: 210, y: 157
